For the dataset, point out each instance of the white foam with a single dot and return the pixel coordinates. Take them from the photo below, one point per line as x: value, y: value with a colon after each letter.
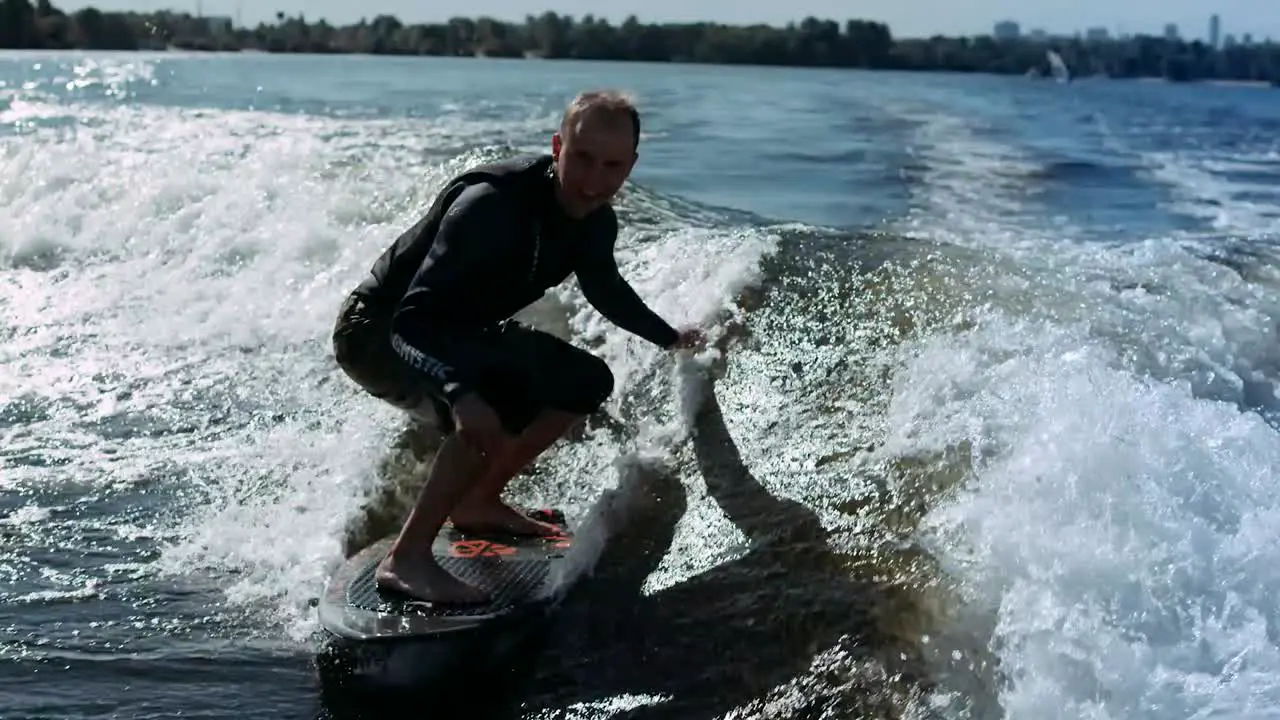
x: 1116, y: 527
x: 1114, y: 406
x: 1120, y: 526
x: 692, y: 277
x: 210, y: 262
x: 1202, y: 190
x: 971, y: 190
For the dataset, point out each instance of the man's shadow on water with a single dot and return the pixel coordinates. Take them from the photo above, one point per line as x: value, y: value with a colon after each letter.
x: 730, y: 636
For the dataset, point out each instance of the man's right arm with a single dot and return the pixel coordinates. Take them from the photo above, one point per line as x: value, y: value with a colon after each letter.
x: 473, y: 232
x: 477, y: 226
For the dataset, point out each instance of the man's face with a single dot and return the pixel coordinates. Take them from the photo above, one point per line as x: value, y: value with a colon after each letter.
x: 593, y: 159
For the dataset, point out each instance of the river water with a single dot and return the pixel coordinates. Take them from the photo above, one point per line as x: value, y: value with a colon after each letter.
x: 991, y: 429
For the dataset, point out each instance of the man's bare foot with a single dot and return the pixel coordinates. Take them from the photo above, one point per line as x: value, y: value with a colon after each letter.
x: 423, y: 578
x: 500, y: 518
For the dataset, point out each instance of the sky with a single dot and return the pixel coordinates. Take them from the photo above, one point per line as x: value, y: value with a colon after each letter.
x: 906, y: 18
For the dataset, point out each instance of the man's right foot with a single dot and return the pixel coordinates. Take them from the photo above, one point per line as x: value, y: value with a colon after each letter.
x: 499, y: 518
x: 424, y: 579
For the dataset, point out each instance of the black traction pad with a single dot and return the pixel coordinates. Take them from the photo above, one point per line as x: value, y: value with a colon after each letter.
x: 511, y: 569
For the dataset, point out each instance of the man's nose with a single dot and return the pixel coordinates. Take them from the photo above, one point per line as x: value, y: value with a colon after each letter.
x: 597, y: 178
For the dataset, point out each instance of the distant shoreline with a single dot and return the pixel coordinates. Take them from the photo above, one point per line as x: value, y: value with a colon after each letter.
x: 255, y: 52
x: 811, y: 43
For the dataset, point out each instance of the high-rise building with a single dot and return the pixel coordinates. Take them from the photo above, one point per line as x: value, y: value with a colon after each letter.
x: 1171, y: 32
x: 1215, y: 29
x: 1006, y: 30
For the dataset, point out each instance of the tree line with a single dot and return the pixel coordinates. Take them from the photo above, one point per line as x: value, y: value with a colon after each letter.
x: 811, y: 42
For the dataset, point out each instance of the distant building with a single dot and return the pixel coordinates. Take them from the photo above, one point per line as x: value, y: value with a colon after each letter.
x: 1246, y: 39
x: 218, y: 25
x: 1038, y: 35
x: 1171, y: 32
x: 1215, y: 29
x: 1096, y: 34
x: 1006, y: 30
x: 1229, y: 41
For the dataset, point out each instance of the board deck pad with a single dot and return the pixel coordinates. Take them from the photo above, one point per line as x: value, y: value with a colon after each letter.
x: 511, y: 569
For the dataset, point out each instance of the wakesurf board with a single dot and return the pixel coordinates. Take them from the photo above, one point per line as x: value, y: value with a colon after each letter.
x: 390, y: 640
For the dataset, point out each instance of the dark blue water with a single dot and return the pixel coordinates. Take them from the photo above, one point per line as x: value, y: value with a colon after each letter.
x: 994, y: 432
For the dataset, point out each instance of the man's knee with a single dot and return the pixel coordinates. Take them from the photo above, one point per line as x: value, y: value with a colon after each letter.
x: 427, y: 410
x: 588, y: 386
x: 555, y: 374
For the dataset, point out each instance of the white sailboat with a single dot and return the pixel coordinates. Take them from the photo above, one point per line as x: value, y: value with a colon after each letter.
x: 1059, y: 68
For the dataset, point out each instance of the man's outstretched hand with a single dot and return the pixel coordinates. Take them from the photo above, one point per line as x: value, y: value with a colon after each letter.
x: 690, y: 338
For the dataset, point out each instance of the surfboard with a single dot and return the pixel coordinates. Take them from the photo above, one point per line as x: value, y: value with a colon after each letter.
x: 390, y: 640
x: 517, y: 572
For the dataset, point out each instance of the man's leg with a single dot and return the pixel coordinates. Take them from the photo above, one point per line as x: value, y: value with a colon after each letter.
x: 555, y: 385
x: 410, y: 566
x: 482, y: 508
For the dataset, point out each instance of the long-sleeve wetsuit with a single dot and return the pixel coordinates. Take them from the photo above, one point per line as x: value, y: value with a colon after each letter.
x: 493, y: 249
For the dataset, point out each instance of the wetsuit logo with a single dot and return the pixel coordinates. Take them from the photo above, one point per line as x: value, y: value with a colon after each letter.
x: 420, y: 360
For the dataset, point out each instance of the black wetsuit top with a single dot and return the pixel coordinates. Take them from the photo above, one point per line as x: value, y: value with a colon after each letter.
x: 493, y: 242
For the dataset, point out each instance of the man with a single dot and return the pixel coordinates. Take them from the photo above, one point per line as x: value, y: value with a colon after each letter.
x: 430, y: 329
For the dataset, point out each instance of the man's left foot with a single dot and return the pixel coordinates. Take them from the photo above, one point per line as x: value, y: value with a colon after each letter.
x: 498, y: 518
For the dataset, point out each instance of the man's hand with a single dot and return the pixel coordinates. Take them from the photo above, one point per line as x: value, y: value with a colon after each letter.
x: 478, y: 425
x: 690, y: 338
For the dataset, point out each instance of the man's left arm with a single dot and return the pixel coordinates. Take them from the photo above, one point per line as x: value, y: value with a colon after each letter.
x: 609, y: 293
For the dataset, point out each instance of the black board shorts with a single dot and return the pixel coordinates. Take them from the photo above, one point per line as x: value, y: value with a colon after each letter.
x: 520, y: 371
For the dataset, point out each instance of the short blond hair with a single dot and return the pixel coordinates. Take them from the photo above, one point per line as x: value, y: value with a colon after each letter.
x: 613, y: 104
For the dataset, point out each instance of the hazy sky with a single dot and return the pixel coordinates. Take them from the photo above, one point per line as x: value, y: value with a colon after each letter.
x: 905, y: 17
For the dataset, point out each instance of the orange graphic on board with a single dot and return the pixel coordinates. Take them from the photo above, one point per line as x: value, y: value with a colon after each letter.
x: 488, y: 548
x: 479, y: 548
